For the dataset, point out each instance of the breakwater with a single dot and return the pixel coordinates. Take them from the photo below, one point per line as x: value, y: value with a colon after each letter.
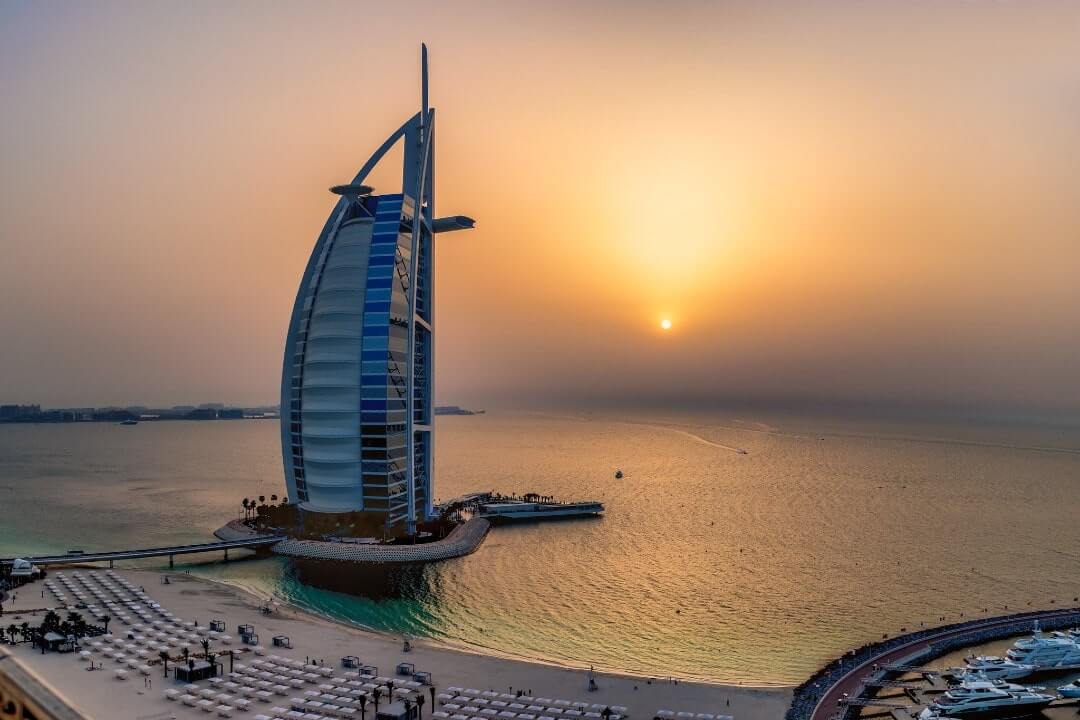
x: 817, y: 697
x: 462, y: 540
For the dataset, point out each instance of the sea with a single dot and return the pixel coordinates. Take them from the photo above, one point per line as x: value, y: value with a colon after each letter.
x: 740, y: 548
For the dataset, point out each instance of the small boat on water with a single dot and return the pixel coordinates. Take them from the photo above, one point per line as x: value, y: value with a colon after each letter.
x: 129, y: 422
x: 533, y: 507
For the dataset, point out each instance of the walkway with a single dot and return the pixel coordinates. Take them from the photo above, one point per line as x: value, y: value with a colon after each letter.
x: 252, y: 543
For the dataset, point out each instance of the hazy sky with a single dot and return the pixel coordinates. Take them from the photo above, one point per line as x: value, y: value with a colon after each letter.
x: 866, y: 201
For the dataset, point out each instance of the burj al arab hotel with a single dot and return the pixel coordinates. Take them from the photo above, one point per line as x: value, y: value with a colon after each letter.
x: 356, y: 384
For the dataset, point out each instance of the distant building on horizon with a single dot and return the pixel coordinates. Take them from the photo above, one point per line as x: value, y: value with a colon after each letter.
x: 356, y: 386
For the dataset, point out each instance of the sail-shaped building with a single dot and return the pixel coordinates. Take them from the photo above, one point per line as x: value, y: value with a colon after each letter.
x: 356, y: 385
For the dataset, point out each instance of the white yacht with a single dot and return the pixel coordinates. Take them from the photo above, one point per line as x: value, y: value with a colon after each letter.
x: 970, y: 678
x: 1072, y: 690
x: 992, y: 668
x: 984, y: 700
x: 1056, y: 650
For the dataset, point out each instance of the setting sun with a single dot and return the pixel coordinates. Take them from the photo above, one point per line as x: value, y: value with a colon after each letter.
x: 665, y: 324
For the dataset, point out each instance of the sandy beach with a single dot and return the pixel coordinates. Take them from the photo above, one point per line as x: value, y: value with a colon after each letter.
x: 100, y: 695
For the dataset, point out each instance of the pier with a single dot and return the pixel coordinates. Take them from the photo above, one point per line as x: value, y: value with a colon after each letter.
x: 252, y: 543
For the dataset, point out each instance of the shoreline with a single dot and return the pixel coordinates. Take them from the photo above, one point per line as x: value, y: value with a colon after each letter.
x: 465, y: 648
x: 312, y: 635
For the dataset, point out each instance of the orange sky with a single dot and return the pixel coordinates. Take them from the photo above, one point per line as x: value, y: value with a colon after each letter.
x: 831, y: 201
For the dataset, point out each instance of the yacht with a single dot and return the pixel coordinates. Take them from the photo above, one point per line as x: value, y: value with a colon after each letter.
x: 984, y: 700
x: 1072, y: 690
x: 992, y: 668
x: 969, y: 678
x: 1056, y: 650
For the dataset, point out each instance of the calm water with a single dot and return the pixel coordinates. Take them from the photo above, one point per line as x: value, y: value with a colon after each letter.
x: 710, y: 564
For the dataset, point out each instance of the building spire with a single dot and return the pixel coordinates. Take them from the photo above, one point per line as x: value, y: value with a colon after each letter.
x: 423, y: 89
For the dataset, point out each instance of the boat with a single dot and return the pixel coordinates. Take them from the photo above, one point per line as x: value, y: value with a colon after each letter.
x: 992, y: 668
x: 618, y: 474
x: 1056, y: 650
x: 984, y: 700
x: 1072, y: 690
x: 970, y: 677
x: 532, y: 507
x: 129, y: 422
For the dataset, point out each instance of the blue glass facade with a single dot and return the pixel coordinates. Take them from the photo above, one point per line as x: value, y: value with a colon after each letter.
x: 348, y: 375
x: 356, y: 387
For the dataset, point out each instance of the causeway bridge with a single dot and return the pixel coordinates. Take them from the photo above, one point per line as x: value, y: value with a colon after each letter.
x: 249, y: 543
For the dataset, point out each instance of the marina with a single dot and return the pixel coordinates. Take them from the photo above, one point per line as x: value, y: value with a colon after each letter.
x: 890, y: 665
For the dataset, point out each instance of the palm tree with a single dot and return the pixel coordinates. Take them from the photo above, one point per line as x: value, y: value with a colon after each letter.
x: 273, y: 498
x: 11, y: 630
x: 51, y: 621
x: 186, y: 654
x: 245, y: 503
x: 206, y: 649
x: 363, y: 706
x: 164, y: 655
x: 408, y: 707
x: 105, y: 620
x: 375, y: 695
x: 78, y: 625
x: 24, y: 630
x: 262, y: 499
x: 606, y: 713
x: 420, y: 706
x: 390, y: 688
x: 431, y: 689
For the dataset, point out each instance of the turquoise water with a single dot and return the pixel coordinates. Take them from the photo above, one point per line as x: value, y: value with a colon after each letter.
x: 709, y: 564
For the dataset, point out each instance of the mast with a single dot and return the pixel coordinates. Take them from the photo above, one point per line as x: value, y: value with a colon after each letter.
x: 420, y: 218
